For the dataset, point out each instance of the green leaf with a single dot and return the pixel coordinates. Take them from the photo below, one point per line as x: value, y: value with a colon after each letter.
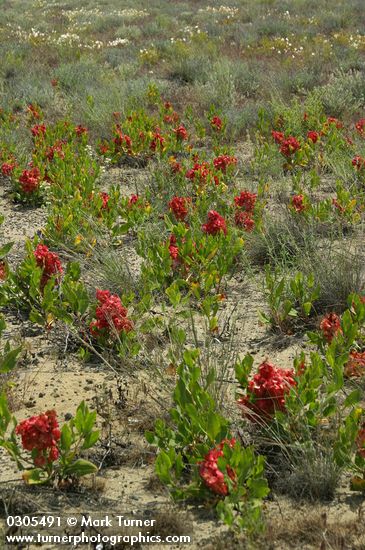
x: 5, y: 416
x: 346, y: 321
x: 259, y: 488
x: 174, y: 294
x: 150, y: 438
x: 36, y: 317
x: 35, y: 477
x: 80, y: 468
x: 213, y: 425
x: 66, y: 437
x: 163, y: 466
x: 5, y: 249
x: 91, y: 439
x: 263, y: 317
x: 74, y: 270
x: 307, y: 306
x: 8, y: 361
x: 353, y: 398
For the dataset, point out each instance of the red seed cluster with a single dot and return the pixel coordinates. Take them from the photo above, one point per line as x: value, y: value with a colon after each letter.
x: 181, y: 133
x: 40, y: 435
x: 244, y: 221
x: 223, y: 161
x: 110, y: 313
x: 266, y: 391
x: 173, y: 249
x: 358, y: 162
x: 246, y: 201
x: 297, y: 203
x: 48, y: 261
x: 198, y: 172
x: 7, y: 168
x: 38, y: 130
x: 80, y: 130
x: 133, y: 199
x: 360, y: 126
x: 289, y: 146
x: 55, y: 149
x: 334, y: 121
x: 355, y: 366
x: 212, y: 476
x: 245, y: 204
x: 277, y: 136
x: 215, y: 224
x: 122, y: 140
x: 330, y: 326
x: 179, y: 206
x: 105, y: 200
x: 157, y: 140
x: 30, y: 180
x: 216, y: 123
x: 313, y: 136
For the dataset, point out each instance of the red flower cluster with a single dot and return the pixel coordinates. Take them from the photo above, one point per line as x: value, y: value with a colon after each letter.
x: 223, y: 161
x: 243, y: 218
x: 48, y: 261
x: 33, y: 111
x: 246, y: 201
x: 80, y: 130
x: 3, y: 270
x: 171, y: 118
x: 173, y: 249
x: 7, y: 168
x: 210, y: 473
x: 335, y: 121
x: 215, y: 224
x: 133, y: 199
x: 175, y: 166
x: 338, y: 206
x: 41, y: 434
x: 56, y: 148
x: 198, y: 171
x: 103, y: 148
x: 289, y: 146
x: 313, y: 136
x: 181, y: 133
x: 30, y: 180
x: 355, y: 366
x: 122, y: 140
x: 38, y: 130
x: 105, y: 198
x: 266, y: 391
x: 358, y: 162
x: 110, y: 313
x: 360, y: 126
x: 277, y: 136
x: 157, y: 141
x: 179, y: 206
x: 330, y: 326
x: 297, y: 202
x: 216, y: 123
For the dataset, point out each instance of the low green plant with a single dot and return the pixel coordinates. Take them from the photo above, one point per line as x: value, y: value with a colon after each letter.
x: 197, y: 434
x: 291, y: 301
x: 48, y: 454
